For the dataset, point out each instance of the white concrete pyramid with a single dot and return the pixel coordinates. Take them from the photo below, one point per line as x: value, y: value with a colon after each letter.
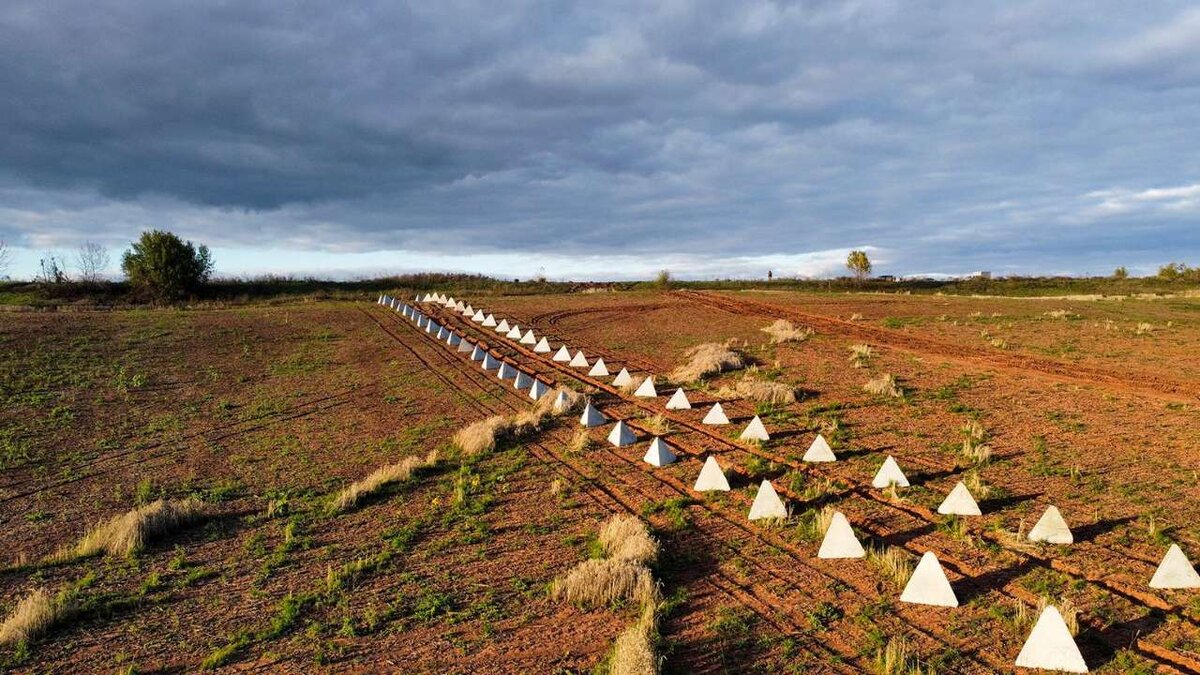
x: 716, y: 415
x: 460, y: 307
x: 561, y: 400
x: 646, y: 389
x: 928, y: 584
x: 490, y: 362
x: 527, y: 338
x: 489, y: 321
x: 538, y: 389
x: 427, y: 298
x: 563, y: 354
x: 503, y: 327
x: 466, y: 346
x: 767, y: 503
x: 543, y: 346
x: 599, y: 369
x: 406, y: 311
x: 959, y: 503
x: 839, y: 541
x: 621, y: 435
x: 449, y: 304
x: 889, y: 474
x: 711, y: 477
x: 468, y: 311
x: 679, y: 401
x: 421, y: 321
x: 454, y: 340
x: 442, y: 333
x: 1051, y: 528
x: 659, y: 453
x: 478, y: 317
x: 1175, y: 571
x: 417, y: 298
x: 591, y: 417
x: 1050, y: 645
x: 623, y: 378
x: 579, y: 360
x: 380, y: 300
x: 514, y: 333
x: 478, y: 354
x: 523, y: 380
x: 755, y: 431
x: 506, y: 372
x: 819, y: 451
x: 432, y: 327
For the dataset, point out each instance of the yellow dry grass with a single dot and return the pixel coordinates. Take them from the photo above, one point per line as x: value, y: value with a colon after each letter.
x: 31, y: 617
x: 606, y: 582
x: 384, y: 475
x: 760, y: 390
x: 860, y: 355
x: 626, y: 538
x: 893, y: 562
x: 884, y: 385
x: 658, y: 424
x: 707, y: 359
x: 896, y: 658
x: 634, y: 382
x: 127, y: 533
x: 480, y: 436
x: 633, y: 652
x: 783, y: 331
x: 580, y: 441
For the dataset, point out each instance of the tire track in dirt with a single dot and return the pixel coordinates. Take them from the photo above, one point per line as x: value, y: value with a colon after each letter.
x: 1030, y: 366
x: 922, y: 515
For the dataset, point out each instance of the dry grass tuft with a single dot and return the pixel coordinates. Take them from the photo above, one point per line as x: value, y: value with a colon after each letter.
x: 856, y: 317
x: 893, y: 562
x: 860, y: 355
x: 884, y: 385
x: 633, y: 652
x: 760, y: 390
x: 480, y: 436
x: 707, y: 359
x: 603, y: 583
x: 974, y: 446
x: 127, y: 533
x: 1068, y: 610
x: 978, y: 488
x: 658, y: 424
x: 384, y: 475
x: 896, y: 658
x: 580, y: 442
x: 635, y: 381
x: 31, y: 617
x: 1144, y: 328
x: 783, y: 331
x: 574, y: 399
x: 626, y: 538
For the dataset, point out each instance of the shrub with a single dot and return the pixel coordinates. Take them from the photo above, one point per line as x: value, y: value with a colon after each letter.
x: 165, y: 266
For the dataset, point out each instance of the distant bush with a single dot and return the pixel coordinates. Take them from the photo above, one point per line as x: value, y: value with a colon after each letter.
x: 166, y: 267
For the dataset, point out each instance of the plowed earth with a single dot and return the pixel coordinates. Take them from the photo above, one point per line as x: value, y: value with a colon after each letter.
x: 285, y: 405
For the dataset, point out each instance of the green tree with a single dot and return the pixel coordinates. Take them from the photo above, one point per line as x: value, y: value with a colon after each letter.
x: 165, y: 266
x: 1173, y: 271
x: 859, y: 264
x: 663, y: 280
x: 1121, y: 273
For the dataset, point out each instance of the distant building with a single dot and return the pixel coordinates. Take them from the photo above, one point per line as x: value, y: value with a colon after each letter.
x: 886, y: 277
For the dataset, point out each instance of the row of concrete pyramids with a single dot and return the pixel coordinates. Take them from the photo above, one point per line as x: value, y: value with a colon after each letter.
x: 1049, y: 646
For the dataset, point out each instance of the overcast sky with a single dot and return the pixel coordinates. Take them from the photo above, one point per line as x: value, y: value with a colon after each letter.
x: 606, y: 139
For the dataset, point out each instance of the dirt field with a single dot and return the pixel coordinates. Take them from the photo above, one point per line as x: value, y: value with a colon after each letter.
x: 264, y: 413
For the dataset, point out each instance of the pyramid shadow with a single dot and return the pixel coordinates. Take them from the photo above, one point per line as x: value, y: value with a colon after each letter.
x: 1096, y: 645
x: 1090, y: 532
x: 973, y: 587
x: 997, y: 503
x: 790, y: 433
x: 851, y: 454
x: 902, y: 538
x: 925, y: 476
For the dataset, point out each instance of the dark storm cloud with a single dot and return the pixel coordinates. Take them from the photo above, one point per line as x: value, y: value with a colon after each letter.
x: 950, y: 136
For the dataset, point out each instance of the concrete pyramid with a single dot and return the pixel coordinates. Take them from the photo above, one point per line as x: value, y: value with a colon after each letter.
x: 454, y: 340
x: 755, y: 431
x: 406, y: 311
x: 623, y: 378
x: 460, y: 307
x: 543, y: 346
x: 711, y: 478
x: 478, y: 317
x: 514, y: 334
x: 1051, y: 528
x: 928, y: 584
x: 1050, y: 645
x: 468, y: 311
x: 579, y: 361
x: 563, y: 354
x: 819, y: 451
x: 599, y: 369
x: 431, y: 326
x: 889, y: 474
x: 442, y: 333
x: 503, y: 327
x: 380, y: 300
x: 591, y: 417
x: 767, y: 503
x: 646, y: 389
x: 427, y: 298
x: 959, y: 503
x: 506, y: 372
x: 659, y: 453
x: 466, y: 346
x: 523, y: 380
x: 679, y: 401
x: 490, y: 362
x: 489, y: 321
x: 478, y: 354
x: 538, y: 389
x: 421, y: 321
x: 839, y: 541
x: 528, y: 338
x: 716, y: 415
x: 449, y: 303
x: 621, y: 435
x: 1175, y: 571
x: 561, y: 400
